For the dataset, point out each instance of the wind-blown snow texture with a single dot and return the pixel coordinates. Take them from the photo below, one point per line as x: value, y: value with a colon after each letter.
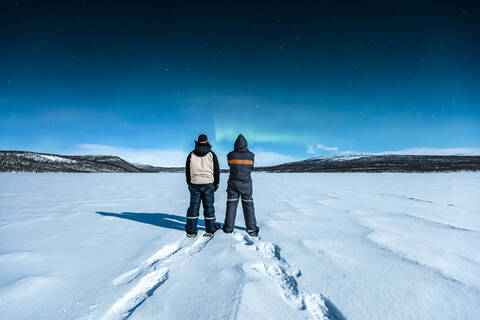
x: 332, y: 246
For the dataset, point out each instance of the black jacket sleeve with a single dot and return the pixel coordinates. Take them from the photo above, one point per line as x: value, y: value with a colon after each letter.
x: 187, y: 169
x: 216, y: 170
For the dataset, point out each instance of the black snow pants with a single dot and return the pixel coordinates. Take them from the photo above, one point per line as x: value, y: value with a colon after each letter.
x: 201, y: 193
x: 233, y: 196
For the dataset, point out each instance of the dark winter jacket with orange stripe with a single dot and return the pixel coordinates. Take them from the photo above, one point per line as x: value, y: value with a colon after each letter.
x: 240, y: 161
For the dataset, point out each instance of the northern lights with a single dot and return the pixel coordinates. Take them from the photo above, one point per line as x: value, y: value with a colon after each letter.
x: 362, y: 76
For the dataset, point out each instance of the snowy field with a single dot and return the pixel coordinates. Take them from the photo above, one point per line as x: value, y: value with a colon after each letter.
x: 332, y: 246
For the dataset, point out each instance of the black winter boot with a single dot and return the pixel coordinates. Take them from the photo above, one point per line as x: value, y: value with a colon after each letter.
x: 225, y: 230
x: 253, y: 233
x: 191, y: 235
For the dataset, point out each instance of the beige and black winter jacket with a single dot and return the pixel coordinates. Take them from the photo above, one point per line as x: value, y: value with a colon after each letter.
x: 202, y: 166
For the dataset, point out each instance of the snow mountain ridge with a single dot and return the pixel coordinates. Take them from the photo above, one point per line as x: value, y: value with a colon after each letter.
x: 25, y: 161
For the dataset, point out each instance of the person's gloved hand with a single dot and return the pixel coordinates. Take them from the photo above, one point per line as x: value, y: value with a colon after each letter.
x: 215, y: 188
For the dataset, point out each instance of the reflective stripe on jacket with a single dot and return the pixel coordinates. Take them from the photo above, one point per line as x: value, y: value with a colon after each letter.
x: 241, y: 161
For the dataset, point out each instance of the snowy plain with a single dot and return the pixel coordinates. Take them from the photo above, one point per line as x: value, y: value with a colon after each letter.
x: 332, y: 246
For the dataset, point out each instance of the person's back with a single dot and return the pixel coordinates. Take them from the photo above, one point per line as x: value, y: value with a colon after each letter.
x: 202, y: 173
x: 241, y: 162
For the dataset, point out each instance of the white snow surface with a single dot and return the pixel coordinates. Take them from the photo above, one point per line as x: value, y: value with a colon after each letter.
x: 343, y: 156
x: 435, y: 151
x: 56, y: 158
x: 331, y: 246
x: 46, y: 158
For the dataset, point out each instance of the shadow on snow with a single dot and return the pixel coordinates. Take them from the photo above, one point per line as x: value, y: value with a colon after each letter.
x: 163, y: 220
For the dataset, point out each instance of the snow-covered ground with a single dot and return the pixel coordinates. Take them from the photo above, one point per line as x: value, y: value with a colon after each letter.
x: 332, y: 246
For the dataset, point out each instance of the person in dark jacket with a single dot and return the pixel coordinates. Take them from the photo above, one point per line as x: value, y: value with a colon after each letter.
x: 203, y: 176
x: 240, y: 161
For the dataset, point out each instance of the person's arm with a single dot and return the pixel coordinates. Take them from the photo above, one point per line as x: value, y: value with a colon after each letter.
x: 187, y: 169
x: 216, y: 171
x: 228, y: 160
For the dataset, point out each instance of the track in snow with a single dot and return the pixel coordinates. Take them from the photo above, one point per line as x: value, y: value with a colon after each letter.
x: 276, y: 268
x: 155, y: 272
x: 126, y: 305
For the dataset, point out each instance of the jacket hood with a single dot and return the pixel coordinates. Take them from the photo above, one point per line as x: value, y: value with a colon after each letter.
x: 241, y: 143
x: 202, y: 149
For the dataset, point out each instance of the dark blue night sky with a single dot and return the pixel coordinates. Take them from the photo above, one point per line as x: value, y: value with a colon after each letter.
x: 300, y: 79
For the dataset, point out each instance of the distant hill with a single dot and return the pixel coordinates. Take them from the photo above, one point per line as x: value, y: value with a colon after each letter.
x: 379, y: 163
x: 149, y: 168
x: 25, y: 161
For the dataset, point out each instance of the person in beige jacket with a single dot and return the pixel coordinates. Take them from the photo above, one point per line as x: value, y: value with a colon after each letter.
x: 203, y: 176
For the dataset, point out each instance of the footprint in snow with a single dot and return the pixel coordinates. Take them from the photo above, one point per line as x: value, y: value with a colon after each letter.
x: 276, y: 268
